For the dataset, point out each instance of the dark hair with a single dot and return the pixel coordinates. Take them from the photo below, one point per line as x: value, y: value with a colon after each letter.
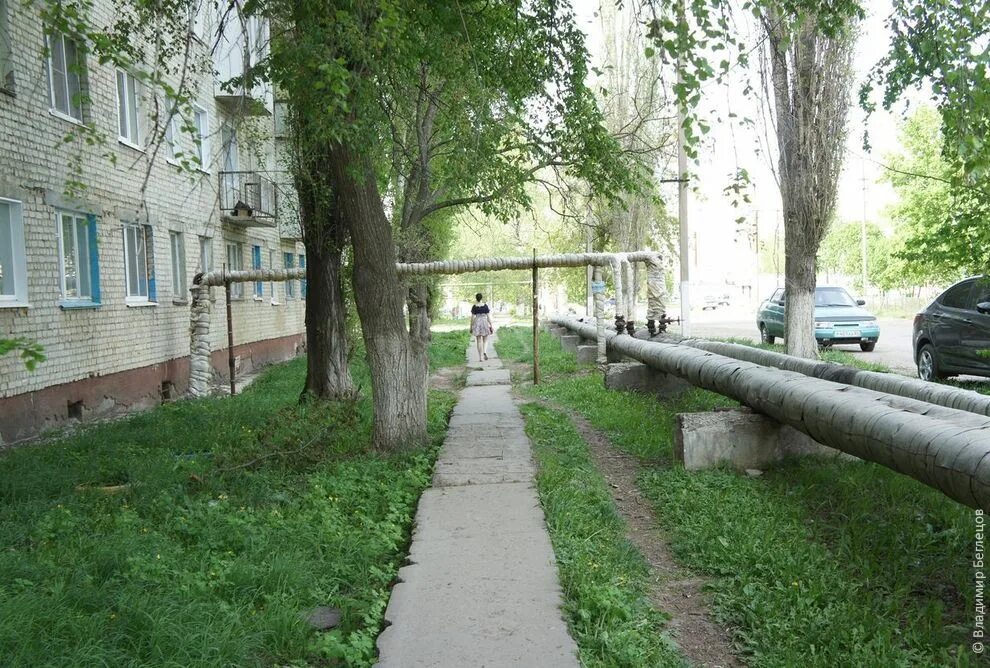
x: 478, y: 297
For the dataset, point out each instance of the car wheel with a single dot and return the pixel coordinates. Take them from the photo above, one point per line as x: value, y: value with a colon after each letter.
x: 928, y: 364
x: 867, y: 346
x: 765, y: 336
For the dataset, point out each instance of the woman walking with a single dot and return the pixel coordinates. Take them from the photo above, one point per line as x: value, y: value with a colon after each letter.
x: 481, y: 325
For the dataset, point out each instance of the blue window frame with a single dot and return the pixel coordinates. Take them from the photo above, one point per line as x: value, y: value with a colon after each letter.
x: 79, y: 260
x: 259, y: 286
x: 290, y: 286
x: 302, y: 283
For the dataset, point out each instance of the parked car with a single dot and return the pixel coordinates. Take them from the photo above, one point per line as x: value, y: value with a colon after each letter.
x: 709, y: 303
x: 838, y: 319
x: 952, y: 334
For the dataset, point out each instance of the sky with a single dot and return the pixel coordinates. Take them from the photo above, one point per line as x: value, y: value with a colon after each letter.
x: 712, y: 218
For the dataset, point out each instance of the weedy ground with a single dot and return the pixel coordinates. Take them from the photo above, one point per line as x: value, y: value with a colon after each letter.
x: 815, y: 563
x: 230, y: 520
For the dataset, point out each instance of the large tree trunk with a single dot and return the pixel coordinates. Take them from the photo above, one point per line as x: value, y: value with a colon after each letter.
x: 799, y: 277
x: 398, y: 375
x: 328, y: 375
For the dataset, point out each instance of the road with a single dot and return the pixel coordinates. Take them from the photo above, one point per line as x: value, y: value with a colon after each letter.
x: 893, y: 349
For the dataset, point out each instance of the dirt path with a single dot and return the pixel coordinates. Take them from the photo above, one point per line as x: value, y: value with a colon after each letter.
x: 674, y: 590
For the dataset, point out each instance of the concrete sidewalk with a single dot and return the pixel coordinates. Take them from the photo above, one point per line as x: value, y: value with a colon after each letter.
x: 481, y: 585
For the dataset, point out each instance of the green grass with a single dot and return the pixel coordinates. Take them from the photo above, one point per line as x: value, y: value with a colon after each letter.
x: 604, y: 578
x: 193, y: 566
x: 447, y: 348
x: 818, y: 562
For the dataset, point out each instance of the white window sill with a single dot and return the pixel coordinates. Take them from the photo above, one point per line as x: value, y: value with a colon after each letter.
x: 65, y: 117
x: 74, y: 304
x: 129, y: 144
x: 203, y: 171
x: 259, y: 298
x: 130, y: 302
x: 275, y: 303
x: 13, y: 303
x: 174, y: 162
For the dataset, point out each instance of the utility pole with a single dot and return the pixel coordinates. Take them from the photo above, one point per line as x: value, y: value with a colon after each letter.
x: 588, y: 297
x: 682, y: 203
x: 863, y: 227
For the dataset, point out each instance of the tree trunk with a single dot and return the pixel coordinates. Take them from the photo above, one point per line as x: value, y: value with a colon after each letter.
x: 398, y: 375
x: 799, y: 279
x: 327, y: 373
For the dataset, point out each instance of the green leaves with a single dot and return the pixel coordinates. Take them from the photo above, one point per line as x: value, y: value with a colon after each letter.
x: 31, y: 352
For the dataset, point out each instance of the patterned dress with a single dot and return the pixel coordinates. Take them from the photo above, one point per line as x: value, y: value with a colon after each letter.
x: 482, y: 326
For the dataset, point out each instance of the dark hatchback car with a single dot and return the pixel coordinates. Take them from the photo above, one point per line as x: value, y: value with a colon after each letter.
x: 952, y: 334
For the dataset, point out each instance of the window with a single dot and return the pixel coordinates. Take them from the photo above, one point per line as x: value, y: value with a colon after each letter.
x: 13, y: 276
x: 65, y: 70
x: 958, y: 295
x: 177, y: 244
x: 206, y: 254
x: 259, y: 286
x: 271, y: 285
x: 128, y: 108
x: 230, y: 157
x: 78, y: 259
x: 302, y: 283
x: 201, y: 123
x: 139, y: 264
x: 200, y: 10
x: 235, y: 262
x: 290, y: 285
x: 6, y: 64
x: 281, y: 115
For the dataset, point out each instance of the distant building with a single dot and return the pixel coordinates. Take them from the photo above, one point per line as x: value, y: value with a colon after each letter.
x: 101, y: 279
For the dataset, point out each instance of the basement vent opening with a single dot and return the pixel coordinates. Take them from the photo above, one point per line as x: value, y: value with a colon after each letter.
x: 168, y: 391
x: 75, y: 410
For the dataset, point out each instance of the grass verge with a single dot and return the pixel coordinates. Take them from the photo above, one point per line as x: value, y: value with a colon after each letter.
x: 816, y: 563
x: 604, y: 578
x: 226, y: 531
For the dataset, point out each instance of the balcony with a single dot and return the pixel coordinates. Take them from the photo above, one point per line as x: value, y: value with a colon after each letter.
x: 248, y: 199
x: 238, y: 50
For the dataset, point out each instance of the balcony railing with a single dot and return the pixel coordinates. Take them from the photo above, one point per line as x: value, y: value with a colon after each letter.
x: 248, y: 198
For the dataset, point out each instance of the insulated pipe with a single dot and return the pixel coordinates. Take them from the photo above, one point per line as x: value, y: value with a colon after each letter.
x: 890, y: 383
x: 944, y: 448
x: 500, y: 263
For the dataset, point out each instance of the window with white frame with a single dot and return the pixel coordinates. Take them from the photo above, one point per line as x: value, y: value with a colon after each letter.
x: 235, y: 262
x: 6, y: 51
x: 201, y: 137
x: 128, y: 108
x: 171, y: 137
x: 13, y: 275
x: 65, y: 73
x: 290, y: 285
x: 177, y: 246
x: 78, y: 257
x: 201, y: 24
x: 139, y: 263
x: 206, y: 254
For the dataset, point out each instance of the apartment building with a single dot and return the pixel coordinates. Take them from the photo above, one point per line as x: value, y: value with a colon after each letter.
x: 99, y: 242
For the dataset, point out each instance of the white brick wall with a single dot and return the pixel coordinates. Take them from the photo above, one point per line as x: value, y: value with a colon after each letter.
x: 33, y: 170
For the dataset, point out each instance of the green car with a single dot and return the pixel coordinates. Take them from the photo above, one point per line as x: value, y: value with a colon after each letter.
x: 838, y: 319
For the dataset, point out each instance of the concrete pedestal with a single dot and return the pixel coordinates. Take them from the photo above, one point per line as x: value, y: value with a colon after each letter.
x: 740, y: 438
x: 638, y: 377
x: 569, y: 342
x: 586, y: 354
